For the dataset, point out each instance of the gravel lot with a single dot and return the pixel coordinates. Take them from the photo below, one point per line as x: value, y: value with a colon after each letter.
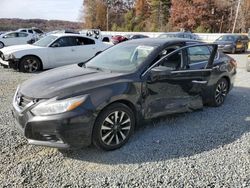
x: 209, y: 148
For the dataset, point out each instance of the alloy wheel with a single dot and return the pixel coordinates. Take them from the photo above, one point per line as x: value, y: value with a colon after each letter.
x: 221, y: 92
x: 31, y: 65
x: 115, y: 128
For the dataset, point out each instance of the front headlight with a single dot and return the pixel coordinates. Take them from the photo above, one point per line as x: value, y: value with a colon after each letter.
x: 54, y: 106
x: 9, y: 56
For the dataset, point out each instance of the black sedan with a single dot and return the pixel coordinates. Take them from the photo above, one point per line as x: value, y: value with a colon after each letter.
x: 232, y: 43
x: 103, y: 100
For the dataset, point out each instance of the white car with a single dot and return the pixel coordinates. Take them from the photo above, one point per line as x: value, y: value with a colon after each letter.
x: 35, y: 32
x: 14, y: 38
x: 51, y: 51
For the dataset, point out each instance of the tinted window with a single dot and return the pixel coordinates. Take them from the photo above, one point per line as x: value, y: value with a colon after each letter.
x: 38, y: 31
x: 10, y: 35
x: 198, y: 54
x: 22, y: 34
x: 66, y: 41
x: 30, y: 31
x: 84, y: 41
x: 23, y: 30
x: 105, y: 39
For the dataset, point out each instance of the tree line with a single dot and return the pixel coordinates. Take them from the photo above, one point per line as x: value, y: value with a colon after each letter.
x: 46, y: 25
x: 166, y: 15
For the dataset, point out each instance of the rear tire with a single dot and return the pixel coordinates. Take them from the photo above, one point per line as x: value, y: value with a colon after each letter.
x: 219, y: 93
x: 1, y: 45
x: 113, y: 127
x: 30, y: 64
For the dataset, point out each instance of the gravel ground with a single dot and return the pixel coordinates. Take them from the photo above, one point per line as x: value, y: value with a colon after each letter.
x: 209, y: 148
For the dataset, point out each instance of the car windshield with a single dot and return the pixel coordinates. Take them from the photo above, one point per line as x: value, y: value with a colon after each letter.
x: 226, y: 38
x: 121, y: 58
x: 45, y: 41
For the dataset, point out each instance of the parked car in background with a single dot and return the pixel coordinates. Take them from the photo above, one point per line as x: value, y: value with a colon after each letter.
x: 135, y: 36
x: 15, y: 38
x: 248, y: 64
x: 118, y: 38
x: 103, y: 100
x: 51, y: 51
x: 232, y: 43
x: 97, y: 34
x: 186, y: 35
x: 32, y: 30
x: 63, y: 31
x: 37, y: 33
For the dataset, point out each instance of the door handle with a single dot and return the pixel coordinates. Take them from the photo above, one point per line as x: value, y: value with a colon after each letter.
x: 73, y: 50
x: 199, y: 82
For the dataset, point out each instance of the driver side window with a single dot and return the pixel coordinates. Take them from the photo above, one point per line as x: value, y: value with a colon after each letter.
x: 172, y: 62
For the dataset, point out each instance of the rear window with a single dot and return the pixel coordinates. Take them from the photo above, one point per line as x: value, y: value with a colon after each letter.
x: 84, y: 41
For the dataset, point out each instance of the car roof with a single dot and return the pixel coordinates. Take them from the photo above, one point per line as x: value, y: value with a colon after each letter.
x: 159, y: 41
x: 70, y: 35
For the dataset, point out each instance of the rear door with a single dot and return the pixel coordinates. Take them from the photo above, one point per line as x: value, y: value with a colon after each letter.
x: 85, y: 49
x: 179, y: 91
x: 22, y: 38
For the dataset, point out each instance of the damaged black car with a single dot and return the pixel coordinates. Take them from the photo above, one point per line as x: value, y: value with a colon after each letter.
x: 102, y: 101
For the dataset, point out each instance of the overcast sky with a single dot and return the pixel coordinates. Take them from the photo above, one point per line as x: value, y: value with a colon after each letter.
x: 44, y: 9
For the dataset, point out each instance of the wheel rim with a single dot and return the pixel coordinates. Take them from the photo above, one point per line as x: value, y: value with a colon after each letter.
x: 221, y: 92
x: 31, y: 65
x: 1, y: 45
x: 115, y: 128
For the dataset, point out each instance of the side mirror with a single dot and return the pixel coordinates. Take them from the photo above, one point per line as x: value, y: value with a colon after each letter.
x: 55, y: 45
x: 160, y: 73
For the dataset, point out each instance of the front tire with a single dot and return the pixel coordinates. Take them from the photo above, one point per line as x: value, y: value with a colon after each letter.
x: 219, y: 93
x: 113, y: 127
x: 30, y: 64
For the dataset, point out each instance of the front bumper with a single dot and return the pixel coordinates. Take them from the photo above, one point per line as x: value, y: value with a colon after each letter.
x: 67, y: 130
x: 4, y: 63
x: 10, y: 63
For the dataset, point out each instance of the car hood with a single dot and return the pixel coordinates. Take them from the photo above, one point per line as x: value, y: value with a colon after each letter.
x: 65, y: 81
x: 15, y: 48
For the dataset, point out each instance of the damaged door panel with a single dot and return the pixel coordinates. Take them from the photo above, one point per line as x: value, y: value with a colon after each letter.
x: 174, y: 85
